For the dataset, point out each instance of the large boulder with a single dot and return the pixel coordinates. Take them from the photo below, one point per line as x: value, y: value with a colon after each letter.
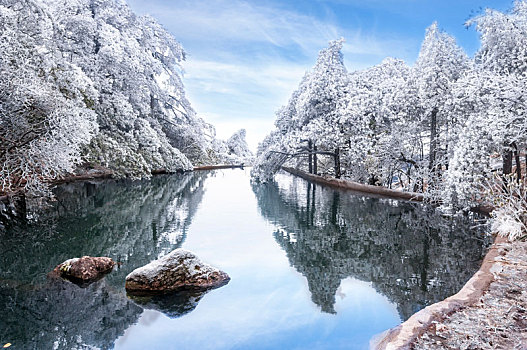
x: 84, y: 270
x: 177, y: 271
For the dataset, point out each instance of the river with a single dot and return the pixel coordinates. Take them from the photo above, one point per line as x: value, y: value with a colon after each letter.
x: 311, y: 267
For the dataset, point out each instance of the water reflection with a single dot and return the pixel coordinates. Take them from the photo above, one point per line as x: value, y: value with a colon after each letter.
x: 341, y: 245
x: 61, y: 315
x: 408, y: 252
x: 131, y: 222
x: 172, y: 305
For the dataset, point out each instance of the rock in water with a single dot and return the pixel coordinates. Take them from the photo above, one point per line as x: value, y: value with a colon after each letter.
x: 179, y: 270
x: 84, y: 270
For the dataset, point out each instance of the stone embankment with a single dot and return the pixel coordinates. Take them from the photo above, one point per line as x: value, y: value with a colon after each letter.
x: 490, y: 312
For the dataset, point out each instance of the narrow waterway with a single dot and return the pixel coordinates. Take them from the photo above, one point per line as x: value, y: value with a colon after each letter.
x: 311, y: 267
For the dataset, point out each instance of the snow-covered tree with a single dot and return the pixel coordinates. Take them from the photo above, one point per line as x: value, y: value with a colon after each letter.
x: 440, y: 64
x: 492, y: 99
x: 269, y: 157
x: 237, y: 147
x: 375, y: 109
x: 89, y: 81
x: 309, y: 125
x: 142, y: 111
x: 316, y: 104
x: 503, y: 42
x: 45, y: 102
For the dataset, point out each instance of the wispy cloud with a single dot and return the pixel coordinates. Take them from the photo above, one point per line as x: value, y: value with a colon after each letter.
x: 233, y: 75
x: 224, y: 24
x: 232, y: 96
x: 236, y: 22
x: 245, y: 59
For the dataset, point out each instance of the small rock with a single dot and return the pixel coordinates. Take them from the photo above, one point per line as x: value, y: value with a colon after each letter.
x: 179, y: 270
x: 84, y: 270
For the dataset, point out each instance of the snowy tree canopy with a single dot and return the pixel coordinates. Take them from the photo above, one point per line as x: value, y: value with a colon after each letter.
x: 87, y: 81
x: 238, y: 148
x: 45, y: 101
x: 440, y: 127
x: 492, y: 98
x: 309, y: 122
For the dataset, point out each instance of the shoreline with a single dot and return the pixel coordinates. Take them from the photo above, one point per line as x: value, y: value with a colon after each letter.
x: 13, y: 204
x: 105, y: 173
x: 451, y: 322
x: 405, y: 335
x: 498, y: 320
x: 219, y: 166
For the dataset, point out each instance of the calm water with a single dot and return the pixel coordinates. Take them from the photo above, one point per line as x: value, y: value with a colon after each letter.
x: 310, y: 267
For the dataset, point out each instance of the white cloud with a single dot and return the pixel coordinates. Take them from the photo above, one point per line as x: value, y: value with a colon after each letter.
x: 227, y: 23
x: 235, y: 96
x: 282, y: 75
x: 238, y: 21
x: 245, y: 59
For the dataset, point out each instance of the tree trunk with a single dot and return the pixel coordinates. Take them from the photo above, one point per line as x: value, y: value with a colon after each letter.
x: 310, y: 156
x: 313, y: 200
x: 433, y: 141
x: 315, y: 161
x: 507, y: 166
x: 518, y: 164
x: 507, y: 161
x: 335, y: 207
x: 308, y: 201
x: 152, y: 105
x: 337, y: 163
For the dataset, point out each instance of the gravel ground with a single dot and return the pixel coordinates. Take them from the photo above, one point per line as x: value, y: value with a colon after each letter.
x: 498, y: 320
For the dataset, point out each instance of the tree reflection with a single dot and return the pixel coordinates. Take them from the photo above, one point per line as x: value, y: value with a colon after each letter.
x: 131, y: 222
x: 62, y: 315
x: 409, y: 252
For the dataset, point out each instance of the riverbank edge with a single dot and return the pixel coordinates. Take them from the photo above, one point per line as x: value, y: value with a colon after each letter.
x: 219, y: 166
x: 105, y: 173
x: 404, y: 335
x: 356, y: 187
x: 13, y: 206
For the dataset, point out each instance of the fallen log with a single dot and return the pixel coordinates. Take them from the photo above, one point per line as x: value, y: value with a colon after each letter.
x: 357, y: 187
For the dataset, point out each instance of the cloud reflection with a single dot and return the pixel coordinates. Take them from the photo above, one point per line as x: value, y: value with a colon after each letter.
x: 267, y: 303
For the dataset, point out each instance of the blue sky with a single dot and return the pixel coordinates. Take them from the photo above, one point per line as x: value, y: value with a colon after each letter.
x: 245, y: 58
